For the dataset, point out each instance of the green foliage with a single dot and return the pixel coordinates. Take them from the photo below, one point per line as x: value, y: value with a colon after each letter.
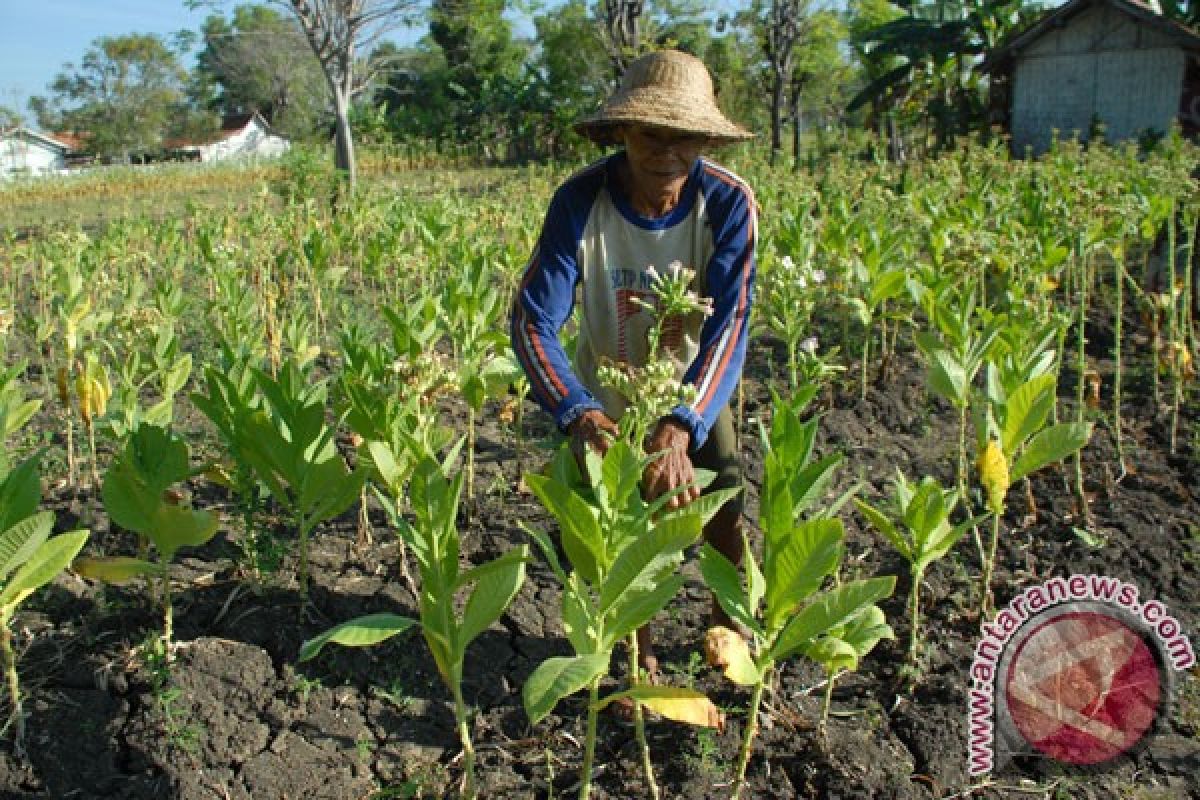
x: 448, y: 627
x: 29, y: 559
x: 782, y: 601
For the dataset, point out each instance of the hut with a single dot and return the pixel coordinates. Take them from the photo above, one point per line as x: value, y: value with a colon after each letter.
x: 1089, y: 65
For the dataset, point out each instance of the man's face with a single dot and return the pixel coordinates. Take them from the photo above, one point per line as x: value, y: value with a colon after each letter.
x: 660, y: 155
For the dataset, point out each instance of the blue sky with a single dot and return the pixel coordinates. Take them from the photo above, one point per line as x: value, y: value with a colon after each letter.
x: 37, y: 37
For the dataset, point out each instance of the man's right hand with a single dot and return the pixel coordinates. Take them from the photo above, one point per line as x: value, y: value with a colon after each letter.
x: 591, y: 429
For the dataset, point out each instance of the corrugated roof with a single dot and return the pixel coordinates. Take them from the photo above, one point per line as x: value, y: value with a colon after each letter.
x: 1140, y: 10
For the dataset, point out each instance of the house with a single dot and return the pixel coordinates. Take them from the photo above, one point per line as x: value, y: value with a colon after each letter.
x: 1116, y: 63
x: 241, y: 136
x: 25, y: 152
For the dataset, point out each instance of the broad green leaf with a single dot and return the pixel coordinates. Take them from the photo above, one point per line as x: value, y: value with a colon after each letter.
x: 547, y: 547
x: 833, y: 654
x: 20, y: 541
x: 358, y: 632
x: 680, y: 705
x: 174, y: 527
x: 881, y: 523
x: 1026, y: 410
x: 830, y: 609
x: 807, y: 485
x: 797, y: 569
x: 20, y: 492
x: 1050, y: 446
x: 620, y: 474
x: 582, y: 538
x: 51, y: 558
x: 638, y: 564
x: 494, y: 590
x: 556, y: 678
x: 947, y: 378
x: 115, y: 569
x: 722, y: 579
x: 635, y: 609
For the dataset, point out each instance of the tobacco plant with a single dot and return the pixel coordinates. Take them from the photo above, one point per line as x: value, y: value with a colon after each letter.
x: 291, y: 449
x: 781, y: 601
x: 139, y: 496
x: 448, y: 627
x: 916, y: 521
x: 29, y: 559
x: 1014, y: 440
x: 624, y: 557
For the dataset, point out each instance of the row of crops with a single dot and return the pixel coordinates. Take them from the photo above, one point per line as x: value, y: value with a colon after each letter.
x: 308, y: 363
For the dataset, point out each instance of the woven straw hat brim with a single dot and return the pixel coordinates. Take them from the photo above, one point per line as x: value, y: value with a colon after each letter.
x: 661, y: 108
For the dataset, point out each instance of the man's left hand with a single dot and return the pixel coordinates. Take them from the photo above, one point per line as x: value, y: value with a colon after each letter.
x: 672, y: 469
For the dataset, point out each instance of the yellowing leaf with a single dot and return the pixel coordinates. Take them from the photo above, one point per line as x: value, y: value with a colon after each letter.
x: 728, y: 651
x: 676, y: 704
x: 993, y: 474
x: 116, y: 570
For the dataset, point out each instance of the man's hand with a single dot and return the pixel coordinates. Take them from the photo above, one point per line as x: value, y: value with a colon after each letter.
x: 591, y: 429
x: 673, y: 469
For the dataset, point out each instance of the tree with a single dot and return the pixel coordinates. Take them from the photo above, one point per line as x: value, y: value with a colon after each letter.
x: 938, y: 49
x: 9, y: 118
x: 782, y: 29
x: 127, y: 94
x: 260, y: 61
x: 337, y: 31
x: 621, y: 20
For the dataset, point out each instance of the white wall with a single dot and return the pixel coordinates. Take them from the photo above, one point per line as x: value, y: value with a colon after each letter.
x: 25, y: 155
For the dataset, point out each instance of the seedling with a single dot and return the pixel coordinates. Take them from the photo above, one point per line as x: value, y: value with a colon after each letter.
x: 781, y: 602
x: 448, y: 631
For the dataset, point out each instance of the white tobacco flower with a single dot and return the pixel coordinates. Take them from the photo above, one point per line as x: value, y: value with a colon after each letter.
x: 810, y: 345
x: 802, y: 282
x: 787, y: 263
x: 818, y: 276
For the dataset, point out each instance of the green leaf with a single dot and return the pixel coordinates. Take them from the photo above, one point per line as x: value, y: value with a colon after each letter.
x: 881, y: 523
x: 174, y: 527
x: 582, y: 538
x: 51, y: 558
x: 797, y: 569
x: 116, y: 570
x: 947, y: 378
x: 639, y: 562
x: 1026, y: 410
x: 829, y: 610
x: 556, y: 678
x: 1050, y: 446
x: 635, y: 609
x: 496, y: 584
x: 20, y: 541
x: 722, y: 579
x: 20, y: 492
x: 358, y: 632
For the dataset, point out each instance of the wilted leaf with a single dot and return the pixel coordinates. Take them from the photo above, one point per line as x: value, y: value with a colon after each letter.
x: 728, y: 651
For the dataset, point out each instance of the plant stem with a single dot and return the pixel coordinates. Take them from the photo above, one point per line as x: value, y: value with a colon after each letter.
x: 1119, y: 312
x: 989, y: 564
x: 748, y: 736
x: 862, y: 392
x: 14, y: 685
x: 639, y: 720
x: 962, y: 476
x: 464, y: 737
x: 914, y: 615
x: 827, y: 701
x: 589, y: 744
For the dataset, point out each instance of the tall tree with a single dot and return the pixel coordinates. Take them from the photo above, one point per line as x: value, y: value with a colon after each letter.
x: 338, y: 31
x: 126, y: 94
x: 260, y: 61
x: 783, y: 27
x: 622, y: 26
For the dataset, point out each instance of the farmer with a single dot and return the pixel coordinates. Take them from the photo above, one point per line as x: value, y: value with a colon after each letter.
x: 609, y: 226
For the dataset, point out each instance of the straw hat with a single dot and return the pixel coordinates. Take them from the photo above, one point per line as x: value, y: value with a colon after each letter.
x: 668, y: 89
